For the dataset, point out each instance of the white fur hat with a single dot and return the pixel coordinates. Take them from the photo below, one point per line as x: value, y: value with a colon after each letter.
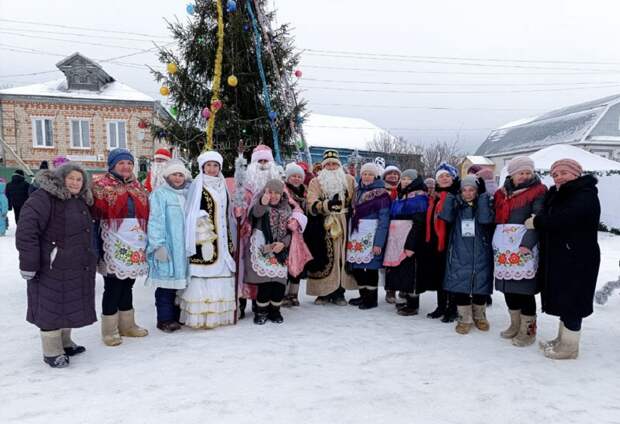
x: 369, y: 167
x: 294, y: 169
x: 176, y: 165
x: 210, y: 156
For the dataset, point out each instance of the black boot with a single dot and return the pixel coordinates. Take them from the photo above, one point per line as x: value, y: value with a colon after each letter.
x: 369, y: 300
x: 242, y: 304
x: 357, y: 301
x: 441, y: 306
x: 260, y: 315
x: 451, y: 314
x: 413, y: 304
x: 489, y: 300
x: 274, y: 314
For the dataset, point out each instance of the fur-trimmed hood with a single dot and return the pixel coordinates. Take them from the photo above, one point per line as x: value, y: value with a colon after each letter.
x: 53, y: 182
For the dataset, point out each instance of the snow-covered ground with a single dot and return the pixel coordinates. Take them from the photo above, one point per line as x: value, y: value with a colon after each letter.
x: 325, y: 364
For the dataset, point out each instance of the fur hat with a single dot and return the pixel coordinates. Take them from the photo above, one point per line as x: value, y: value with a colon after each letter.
x: 53, y: 182
x: 369, y: 167
x: 275, y: 185
x: 519, y: 164
x: 391, y: 168
x: 485, y: 174
x: 210, y: 156
x: 163, y: 154
x: 469, y: 181
x: 176, y: 165
x: 117, y: 155
x: 331, y: 156
x: 446, y: 168
x: 569, y: 165
x: 294, y: 169
x: 262, y: 152
x: 430, y: 183
x: 410, y: 173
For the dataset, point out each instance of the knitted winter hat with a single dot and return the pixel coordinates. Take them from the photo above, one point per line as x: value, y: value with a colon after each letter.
x: 519, y: 164
x: 117, y: 155
x: 410, y: 173
x: 430, y: 183
x: 294, y: 169
x: 445, y: 168
x: 163, y: 154
x: 262, y: 152
x: 469, y: 181
x: 568, y: 165
x: 275, y: 185
x: 331, y: 156
x: 369, y: 167
x: 391, y: 168
x: 176, y: 165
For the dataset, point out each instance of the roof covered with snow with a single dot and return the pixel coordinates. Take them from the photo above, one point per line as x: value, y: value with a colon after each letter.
x: 339, y: 132
x: 543, y: 159
x: 58, y: 88
x: 563, y: 126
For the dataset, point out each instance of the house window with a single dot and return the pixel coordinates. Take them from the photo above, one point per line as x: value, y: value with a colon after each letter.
x: 80, y: 134
x: 117, y: 136
x: 42, y: 133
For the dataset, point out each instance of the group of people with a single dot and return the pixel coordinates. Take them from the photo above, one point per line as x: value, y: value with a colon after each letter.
x: 207, y: 251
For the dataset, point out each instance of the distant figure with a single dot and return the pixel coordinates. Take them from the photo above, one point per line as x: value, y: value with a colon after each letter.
x: 17, y: 192
x: 4, y: 209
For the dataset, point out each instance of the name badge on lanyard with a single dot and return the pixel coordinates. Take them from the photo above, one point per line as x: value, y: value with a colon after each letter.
x: 468, y: 228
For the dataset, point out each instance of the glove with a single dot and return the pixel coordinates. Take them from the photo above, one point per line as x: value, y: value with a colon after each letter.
x: 335, y: 205
x: 27, y: 275
x: 482, y: 187
x: 161, y: 254
x: 529, y: 223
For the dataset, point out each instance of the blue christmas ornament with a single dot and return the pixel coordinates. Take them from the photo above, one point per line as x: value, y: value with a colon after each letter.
x: 272, y: 115
x: 246, y: 27
x: 231, y: 6
x: 190, y: 8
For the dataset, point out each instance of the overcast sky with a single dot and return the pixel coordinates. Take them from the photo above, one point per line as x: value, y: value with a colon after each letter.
x: 481, y: 62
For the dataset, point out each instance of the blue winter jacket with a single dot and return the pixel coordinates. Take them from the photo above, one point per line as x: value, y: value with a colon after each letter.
x: 167, y: 228
x: 383, y: 225
x: 469, y: 259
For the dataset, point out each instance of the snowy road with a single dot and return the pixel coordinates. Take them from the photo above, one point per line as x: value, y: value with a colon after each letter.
x: 325, y: 364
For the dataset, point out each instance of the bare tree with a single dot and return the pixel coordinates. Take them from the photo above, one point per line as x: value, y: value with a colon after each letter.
x: 438, y: 152
x: 397, y: 150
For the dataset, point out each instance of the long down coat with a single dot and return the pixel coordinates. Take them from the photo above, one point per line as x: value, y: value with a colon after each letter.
x: 55, y: 239
x: 469, y: 267
x: 569, y: 254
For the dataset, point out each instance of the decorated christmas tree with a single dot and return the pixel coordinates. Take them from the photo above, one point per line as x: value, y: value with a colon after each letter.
x: 230, y: 80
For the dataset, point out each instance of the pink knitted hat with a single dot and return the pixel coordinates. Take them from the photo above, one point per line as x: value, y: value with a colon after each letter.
x: 569, y: 165
x: 262, y: 152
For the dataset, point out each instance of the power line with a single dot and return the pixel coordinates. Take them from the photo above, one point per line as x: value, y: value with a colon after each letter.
x: 69, y: 41
x: 359, y: 90
x: 84, y: 28
x: 439, y: 62
x: 398, y: 129
x: 424, y: 72
x: 567, y: 62
x: 76, y: 34
x: 442, y: 108
x: 545, y: 84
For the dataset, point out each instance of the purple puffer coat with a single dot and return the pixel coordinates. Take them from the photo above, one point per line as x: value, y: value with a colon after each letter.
x: 55, y: 239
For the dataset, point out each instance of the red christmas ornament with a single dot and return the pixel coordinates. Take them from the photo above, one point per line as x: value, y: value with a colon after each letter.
x: 298, y: 73
x: 143, y: 124
x: 206, y: 113
x: 216, y: 105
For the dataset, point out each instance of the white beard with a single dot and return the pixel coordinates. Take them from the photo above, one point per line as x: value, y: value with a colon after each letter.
x: 333, y: 182
x: 256, y: 178
x: 157, y: 169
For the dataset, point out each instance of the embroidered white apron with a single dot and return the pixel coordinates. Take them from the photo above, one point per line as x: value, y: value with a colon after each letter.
x: 510, y: 264
x: 124, y: 249
x: 359, y: 246
x: 395, y: 249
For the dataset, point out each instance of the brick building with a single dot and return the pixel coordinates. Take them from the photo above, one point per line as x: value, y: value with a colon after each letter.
x: 82, y: 116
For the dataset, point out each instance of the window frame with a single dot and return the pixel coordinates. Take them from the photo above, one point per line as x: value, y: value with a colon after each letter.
x: 43, y: 119
x: 108, y: 133
x: 71, y: 140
